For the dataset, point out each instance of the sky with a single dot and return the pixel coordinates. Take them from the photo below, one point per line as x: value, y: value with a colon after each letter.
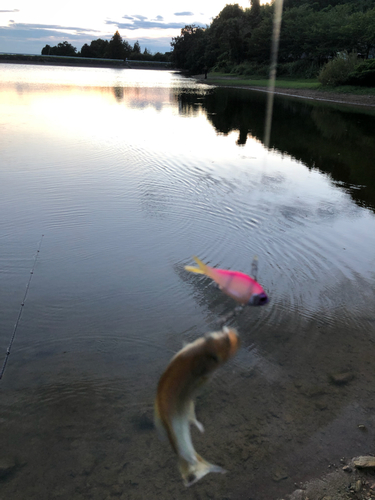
x: 26, y: 26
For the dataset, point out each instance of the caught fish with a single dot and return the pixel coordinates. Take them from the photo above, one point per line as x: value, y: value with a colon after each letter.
x: 237, y: 285
x: 188, y: 370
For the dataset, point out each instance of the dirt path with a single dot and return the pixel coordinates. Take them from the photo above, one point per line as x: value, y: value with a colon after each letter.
x: 351, y: 99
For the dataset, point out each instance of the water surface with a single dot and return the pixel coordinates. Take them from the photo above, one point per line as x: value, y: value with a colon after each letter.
x: 128, y: 173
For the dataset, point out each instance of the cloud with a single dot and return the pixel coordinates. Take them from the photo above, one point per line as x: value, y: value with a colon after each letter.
x: 31, y: 38
x: 184, y: 13
x: 13, y: 10
x: 147, y: 25
x: 142, y: 22
x: 30, y: 28
x: 140, y: 18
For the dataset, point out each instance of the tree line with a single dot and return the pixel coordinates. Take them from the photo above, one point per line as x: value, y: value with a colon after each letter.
x: 312, y: 33
x: 115, y: 48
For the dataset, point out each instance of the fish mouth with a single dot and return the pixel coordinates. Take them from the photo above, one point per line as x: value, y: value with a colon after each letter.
x: 263, y: 299
x: 259, y: 300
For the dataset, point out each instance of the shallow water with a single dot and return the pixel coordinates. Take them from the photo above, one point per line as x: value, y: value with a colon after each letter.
x: 128, y: 173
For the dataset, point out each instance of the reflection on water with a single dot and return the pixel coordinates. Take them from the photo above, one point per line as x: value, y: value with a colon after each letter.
x: 128, y: 174
x: 335, y: 141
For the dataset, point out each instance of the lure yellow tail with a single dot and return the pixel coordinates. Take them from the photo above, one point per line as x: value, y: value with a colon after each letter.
x: 202, y: 269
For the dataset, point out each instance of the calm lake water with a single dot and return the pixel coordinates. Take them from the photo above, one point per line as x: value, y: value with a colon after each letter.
x: 128, y: 173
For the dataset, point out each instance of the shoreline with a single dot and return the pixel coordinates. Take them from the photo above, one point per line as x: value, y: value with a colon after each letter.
x: 341, y: 98
x: 81, y: 62
x: 348, y: 99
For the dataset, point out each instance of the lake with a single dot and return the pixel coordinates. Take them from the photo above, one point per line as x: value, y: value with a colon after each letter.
x: 128, y: 174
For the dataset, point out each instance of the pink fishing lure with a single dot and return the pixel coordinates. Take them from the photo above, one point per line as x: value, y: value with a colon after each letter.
x: 239, y: 286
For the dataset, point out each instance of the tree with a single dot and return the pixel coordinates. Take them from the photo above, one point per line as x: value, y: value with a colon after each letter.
x: 360, y: 32
x: 46, y: 50
x: 86, y: 51
x: 255, y: 13
x: 61, y: 49
x: 66, y: 49
x: 127, y: 48
x: 99, y: 48
x: 137, y: 48
x: 255, y: 7
x: 312, y: 32
x: 317, y: 5
x: 118, y: 48
x: 261, y: 37
x: 162, y: 57
x: 228, y: 37
x: 189, y: 49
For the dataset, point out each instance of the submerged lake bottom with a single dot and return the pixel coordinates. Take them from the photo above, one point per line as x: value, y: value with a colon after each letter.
x: 302, y: 417
x: 128, y: 174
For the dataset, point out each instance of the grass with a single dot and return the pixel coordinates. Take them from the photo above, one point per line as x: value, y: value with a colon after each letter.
x: 258, y: 81
x: 286, y: 83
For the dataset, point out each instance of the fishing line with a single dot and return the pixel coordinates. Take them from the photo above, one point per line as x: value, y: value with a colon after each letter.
x: 20, y: 311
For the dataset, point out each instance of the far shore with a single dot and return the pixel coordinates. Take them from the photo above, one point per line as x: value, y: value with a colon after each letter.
x: 298, y: 88
x: 80, y: 61
x: 303, y: 92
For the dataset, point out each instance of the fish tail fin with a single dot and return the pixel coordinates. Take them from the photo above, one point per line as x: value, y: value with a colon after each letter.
x: 192, y: 472
x: 202, y: 269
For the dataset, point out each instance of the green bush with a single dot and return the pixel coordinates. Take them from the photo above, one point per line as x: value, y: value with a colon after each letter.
x: 223, y: 64
x: 251, y: 69
x: 303, y: 68
x: 364, y: 74
x: 337, y: 71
